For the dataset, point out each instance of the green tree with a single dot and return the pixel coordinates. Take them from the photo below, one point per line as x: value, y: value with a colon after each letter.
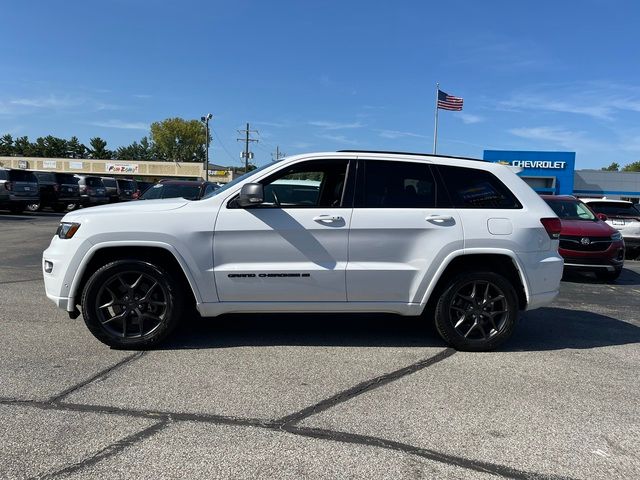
x: 99, y: 149
x: 54, y: 147
x: 6, y: 145
x: 22, y: 146
x: 75, y: 149
x: 614, y: 167
x: 632, y: 167
x: 176, y: 139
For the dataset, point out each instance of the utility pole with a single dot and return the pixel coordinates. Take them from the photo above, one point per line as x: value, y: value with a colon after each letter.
x: 278, y: 155
x: 246, y: 154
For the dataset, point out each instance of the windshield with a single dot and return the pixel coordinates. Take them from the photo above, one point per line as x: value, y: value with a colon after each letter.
x: 615, y: 209
x: 571, y: 209
x: 168, y: 190
x: 238, y: 180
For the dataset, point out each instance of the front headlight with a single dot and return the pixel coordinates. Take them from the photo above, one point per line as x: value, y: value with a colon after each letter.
x: 67, y: 230
x: 616, y: 236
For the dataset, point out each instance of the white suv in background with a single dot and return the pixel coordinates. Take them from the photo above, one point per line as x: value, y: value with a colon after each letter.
x: 463, y: 242
x: 623, y: 216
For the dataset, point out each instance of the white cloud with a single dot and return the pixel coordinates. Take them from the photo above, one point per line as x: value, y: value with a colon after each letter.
x: 470, y: 118
x: 393, y: 134
x: 597, y: 100
x: 121, y: 124
x: 335, y: 125
x: 51, y: 101
x: 557, y: 135
x: 339, y: 139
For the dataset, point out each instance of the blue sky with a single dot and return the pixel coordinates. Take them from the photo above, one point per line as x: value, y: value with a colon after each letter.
x: 326, y: 75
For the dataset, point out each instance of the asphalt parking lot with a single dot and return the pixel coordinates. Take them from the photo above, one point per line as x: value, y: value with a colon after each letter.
x: 316, y: 396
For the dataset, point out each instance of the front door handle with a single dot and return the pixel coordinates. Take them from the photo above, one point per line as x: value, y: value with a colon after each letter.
x: 439, y: 218
x: 327, y: 218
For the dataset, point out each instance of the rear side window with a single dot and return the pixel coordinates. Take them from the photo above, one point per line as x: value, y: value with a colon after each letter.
x: 3, y: 175
x: 388, y: 184
x: 473, y: 188
x: 22, y: 176
x: 109, y: 182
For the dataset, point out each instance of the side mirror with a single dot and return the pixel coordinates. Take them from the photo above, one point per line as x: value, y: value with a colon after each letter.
x: 602, y: 217
x: 251, y: 194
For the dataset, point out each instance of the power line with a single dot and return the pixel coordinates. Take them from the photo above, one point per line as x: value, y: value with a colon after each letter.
x: 231, y: 157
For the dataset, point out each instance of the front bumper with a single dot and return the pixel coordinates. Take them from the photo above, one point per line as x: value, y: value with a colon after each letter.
x: 66, y: 256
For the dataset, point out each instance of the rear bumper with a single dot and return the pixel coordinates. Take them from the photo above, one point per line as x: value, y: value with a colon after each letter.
x: 543, y: 272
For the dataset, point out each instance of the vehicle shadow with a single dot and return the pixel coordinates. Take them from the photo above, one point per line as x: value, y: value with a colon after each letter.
x: 627, y: 277
x: 539, y: 330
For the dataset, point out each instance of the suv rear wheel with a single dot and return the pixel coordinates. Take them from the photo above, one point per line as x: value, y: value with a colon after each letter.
x: 131, y: 304
x: 477, y: 311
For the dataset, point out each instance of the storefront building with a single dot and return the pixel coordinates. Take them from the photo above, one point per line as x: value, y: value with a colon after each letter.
x: 554, y: 173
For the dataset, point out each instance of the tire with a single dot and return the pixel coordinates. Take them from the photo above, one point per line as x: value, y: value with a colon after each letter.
x: 16, y: 209
x: 34, y: 207
x: 608, y: 276
x: 466, y: 321
x: 132, y: 304
x: 72, y: 206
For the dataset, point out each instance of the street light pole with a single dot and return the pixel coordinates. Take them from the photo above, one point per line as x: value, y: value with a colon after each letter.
x: 206, y: 119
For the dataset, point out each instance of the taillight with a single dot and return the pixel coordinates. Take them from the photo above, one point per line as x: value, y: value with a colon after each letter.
x: 56, y: 187
x: 83, y: 189
x: 8, y: 185
x: 552, y: 226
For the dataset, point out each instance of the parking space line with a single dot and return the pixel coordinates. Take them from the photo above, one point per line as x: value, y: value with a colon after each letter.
x: 363, y: 387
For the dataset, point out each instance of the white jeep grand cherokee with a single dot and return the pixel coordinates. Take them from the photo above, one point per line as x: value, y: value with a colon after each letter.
x: 461, y: 241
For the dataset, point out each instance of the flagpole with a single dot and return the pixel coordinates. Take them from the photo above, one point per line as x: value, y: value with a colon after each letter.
x: 435, y: 128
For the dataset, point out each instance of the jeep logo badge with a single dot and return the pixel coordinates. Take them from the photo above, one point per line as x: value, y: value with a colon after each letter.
x: 585, y: 241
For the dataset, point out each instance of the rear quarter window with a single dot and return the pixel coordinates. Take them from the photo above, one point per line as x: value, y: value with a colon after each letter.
x: 3, y: 175
x: 474, y: 188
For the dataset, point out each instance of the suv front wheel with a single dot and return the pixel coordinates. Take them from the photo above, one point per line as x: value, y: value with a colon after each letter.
x: 131, y: 304
x: 477, y: 311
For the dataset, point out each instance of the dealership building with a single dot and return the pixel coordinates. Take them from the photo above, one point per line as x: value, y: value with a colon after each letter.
x: 554, y: 173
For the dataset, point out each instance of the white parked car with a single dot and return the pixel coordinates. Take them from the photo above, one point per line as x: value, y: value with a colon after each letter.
x: 622, y: 215
x: 463, y: 242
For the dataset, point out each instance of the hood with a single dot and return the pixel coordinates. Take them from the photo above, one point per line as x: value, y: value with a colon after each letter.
x: 139, y: 206
x: 586, y: 228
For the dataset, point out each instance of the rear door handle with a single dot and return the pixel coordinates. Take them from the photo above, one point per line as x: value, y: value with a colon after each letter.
x: 439, y: 218
x: 327, y: 218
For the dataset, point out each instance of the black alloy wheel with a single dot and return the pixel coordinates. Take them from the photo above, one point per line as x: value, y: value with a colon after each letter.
x: 477, y: 311
x: 131, y: 304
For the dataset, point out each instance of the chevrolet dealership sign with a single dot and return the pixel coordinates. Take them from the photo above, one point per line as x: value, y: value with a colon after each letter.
x: 535, y: 164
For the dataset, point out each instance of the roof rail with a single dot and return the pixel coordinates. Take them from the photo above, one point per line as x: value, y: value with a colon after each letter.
x: 412, y: 153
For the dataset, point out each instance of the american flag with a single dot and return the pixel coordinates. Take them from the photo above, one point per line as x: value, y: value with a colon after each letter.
x: 449, y: 102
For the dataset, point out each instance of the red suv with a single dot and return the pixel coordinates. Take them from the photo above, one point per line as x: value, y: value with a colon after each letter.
x: 586, y: 241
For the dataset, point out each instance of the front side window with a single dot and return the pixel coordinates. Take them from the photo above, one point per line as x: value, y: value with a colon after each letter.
x: 310, y: 184
x: 387, y: 184
x: 474, y: 188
